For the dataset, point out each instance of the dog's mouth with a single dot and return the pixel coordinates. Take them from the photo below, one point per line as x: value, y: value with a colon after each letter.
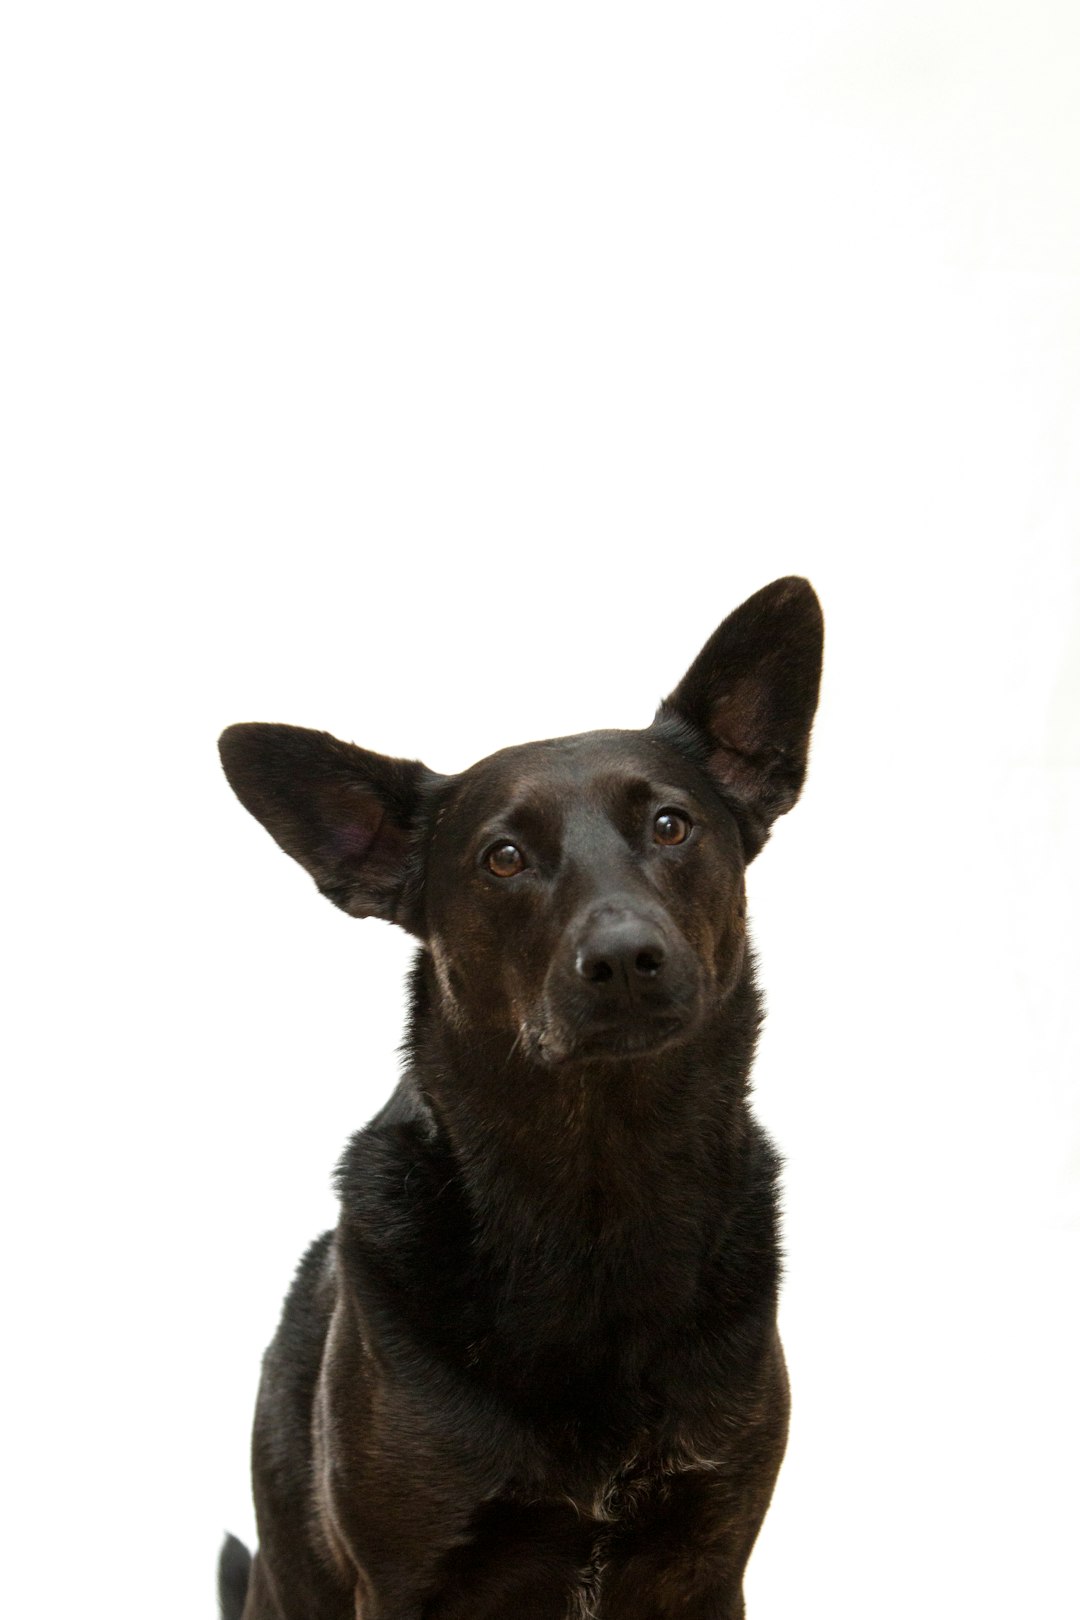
x: 608, y: 1040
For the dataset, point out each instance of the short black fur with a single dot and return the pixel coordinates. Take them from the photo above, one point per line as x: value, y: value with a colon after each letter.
x: 534, y: 1371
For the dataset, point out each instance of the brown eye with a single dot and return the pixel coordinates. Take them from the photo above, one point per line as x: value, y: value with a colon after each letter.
x: 505, y: 860
x: 671, y: 827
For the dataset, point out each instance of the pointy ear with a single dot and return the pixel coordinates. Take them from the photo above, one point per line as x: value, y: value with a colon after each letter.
x: 750, y: 696
x: 348, y: 816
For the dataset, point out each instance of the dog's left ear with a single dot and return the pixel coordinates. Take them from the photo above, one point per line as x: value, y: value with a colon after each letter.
x: 750, y: 696
x: 347, y: 815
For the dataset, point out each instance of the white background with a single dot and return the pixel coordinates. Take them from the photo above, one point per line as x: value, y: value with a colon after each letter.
x: 440, y: 376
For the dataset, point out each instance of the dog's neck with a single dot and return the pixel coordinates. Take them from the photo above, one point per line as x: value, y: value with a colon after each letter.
x: 633, y: 1163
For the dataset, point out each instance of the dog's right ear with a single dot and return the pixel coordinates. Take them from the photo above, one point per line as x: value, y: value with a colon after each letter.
x: 347, y: 815
x: 750, y: 697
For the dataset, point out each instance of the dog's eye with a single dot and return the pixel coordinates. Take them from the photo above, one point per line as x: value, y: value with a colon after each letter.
x: 505, y: 860
x: 671, y: 827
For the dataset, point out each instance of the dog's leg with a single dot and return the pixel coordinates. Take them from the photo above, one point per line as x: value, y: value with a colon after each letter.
x: 524, y: 1560
x: 683, y: 1549
x: 403, y: 1467
x: 685, y: 1555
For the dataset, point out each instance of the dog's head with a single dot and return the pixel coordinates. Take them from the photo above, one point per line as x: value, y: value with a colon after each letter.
x: 583, y: 895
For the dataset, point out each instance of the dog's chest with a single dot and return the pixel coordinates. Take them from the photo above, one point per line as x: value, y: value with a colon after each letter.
x: 592, y: 1316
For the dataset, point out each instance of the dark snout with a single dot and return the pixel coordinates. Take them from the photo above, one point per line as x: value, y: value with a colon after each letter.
x: 624, y: 952
x: 624, y: 981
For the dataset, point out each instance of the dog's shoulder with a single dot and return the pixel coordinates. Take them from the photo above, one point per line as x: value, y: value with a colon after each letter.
x: 393, y: 1167
x: 404, y: 1227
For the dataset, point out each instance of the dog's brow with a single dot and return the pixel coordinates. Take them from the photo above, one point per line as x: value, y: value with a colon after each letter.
x: 544, y: 802
x: 531, y: 814
x: 636, y: 789
x: 615, y: 790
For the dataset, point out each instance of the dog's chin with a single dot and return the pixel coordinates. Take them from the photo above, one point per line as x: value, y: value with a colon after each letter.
x: 609, y: 1042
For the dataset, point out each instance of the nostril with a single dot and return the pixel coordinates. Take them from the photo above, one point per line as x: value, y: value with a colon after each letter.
x: 627, y: 960
x: 649, y: 962
x: 594, y: 968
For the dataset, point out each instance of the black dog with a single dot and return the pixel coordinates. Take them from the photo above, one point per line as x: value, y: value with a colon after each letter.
x: 535, y: 1373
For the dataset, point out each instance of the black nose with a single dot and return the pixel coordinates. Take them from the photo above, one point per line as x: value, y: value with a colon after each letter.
x: 623, y: 951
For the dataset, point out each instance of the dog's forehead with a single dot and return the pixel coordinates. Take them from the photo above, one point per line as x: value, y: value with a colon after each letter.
x: 593, y: 766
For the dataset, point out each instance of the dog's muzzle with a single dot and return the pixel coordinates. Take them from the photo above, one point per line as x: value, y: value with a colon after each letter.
x: 625, y: 982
